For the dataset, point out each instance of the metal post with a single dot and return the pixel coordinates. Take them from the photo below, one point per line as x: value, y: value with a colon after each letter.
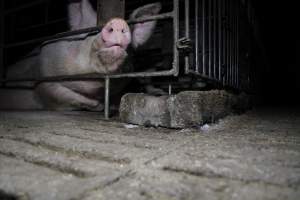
x: 170, y: 89
x: 203, y: 38
x: 2, y: 71
x: 220, y: 38
x: 196, y: 36
x: 187, y: 31
x: 209, y: 38
x: 106, y: 100
x: 109, y: 9
x: 215, y: 36
x: 176, y: 36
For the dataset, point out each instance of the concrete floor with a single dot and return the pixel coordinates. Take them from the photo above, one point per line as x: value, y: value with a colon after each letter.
x: 78, y: 155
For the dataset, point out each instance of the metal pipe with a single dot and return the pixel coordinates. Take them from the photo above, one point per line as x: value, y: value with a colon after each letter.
x: 90, y: 77
x: 2, y: 70
x: 86, y: 30
x: 215, y: 36
x: 220, y: 38
x: 203, y: 38
x: 187, y: 32
x: 106, y: 100
x: 196, y: 36
x: 209, y: 38
x: 175, y: 69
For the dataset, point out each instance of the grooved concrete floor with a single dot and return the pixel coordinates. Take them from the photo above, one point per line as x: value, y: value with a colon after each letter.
x: 78, y: 155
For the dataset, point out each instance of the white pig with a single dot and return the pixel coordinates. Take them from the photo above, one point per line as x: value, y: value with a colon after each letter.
x: 101, y: 53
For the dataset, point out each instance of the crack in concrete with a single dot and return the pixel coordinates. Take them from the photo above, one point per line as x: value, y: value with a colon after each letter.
x: 71, y: 152
x: 213, y: 175
x: 57, y: 168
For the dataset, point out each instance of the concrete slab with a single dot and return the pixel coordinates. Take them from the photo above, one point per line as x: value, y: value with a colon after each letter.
x: 79, y: 155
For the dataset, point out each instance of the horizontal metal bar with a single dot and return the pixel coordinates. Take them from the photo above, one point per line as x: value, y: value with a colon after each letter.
x: 87, y: 30
x: 90, y: 77
x: 28, y: 5
x: 54, y: 37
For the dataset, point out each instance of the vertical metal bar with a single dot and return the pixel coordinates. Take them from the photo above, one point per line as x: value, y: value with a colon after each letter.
x: 209, y: 38
x: 176, y: 36
x: 238, y: 49
x: 227, y: 41
x: 187, y: 31
x: 215, y: 37
x: 220, y: 38
x: 170, y: 89
x: 224, y: 41
x: 203, y: 38
x: 231, y: 41
x: 109, y: 9
x: 235, y: 41
x: 2, y: 70
x: 197, y: 36
x: 106, y: 100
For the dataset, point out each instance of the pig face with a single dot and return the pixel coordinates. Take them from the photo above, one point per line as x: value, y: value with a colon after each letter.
x: 115, y: 37
x: 110, y: 45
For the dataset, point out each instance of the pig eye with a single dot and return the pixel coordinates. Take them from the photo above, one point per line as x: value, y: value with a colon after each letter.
x: 110, y: 30
x: 123, y: 30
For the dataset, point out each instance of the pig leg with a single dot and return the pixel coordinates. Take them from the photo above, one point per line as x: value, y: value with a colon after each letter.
x: 59, y: 97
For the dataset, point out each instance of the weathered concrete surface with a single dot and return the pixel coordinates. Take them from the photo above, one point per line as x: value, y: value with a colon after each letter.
x: 185, y: 109
x: 78, y: 155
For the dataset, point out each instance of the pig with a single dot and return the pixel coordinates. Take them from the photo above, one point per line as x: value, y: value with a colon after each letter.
x: 141, y: 32
x: 103, y: 53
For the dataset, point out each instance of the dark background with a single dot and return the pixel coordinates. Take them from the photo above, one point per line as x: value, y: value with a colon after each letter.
x: 279, y: 24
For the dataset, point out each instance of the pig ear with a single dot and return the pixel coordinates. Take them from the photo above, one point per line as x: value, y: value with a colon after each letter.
x: 81, y: 14
x: 142, y: 31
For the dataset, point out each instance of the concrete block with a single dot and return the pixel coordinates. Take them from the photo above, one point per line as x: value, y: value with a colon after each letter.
x: 185, y: 109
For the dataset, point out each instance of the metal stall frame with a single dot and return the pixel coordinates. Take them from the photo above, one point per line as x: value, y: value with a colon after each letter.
x: 172, y: 72
x: 215, y: 61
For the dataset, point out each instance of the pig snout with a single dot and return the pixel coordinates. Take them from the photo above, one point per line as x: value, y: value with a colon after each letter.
x: 116, y: 34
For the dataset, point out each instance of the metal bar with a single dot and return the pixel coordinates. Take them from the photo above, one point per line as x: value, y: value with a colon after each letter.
x: 230, y: 42
x: 220, y: 38
x: 215, y: 36
x: 2, y: 70
x: 87, y: 30
x: 25, y: 6
x: 54, y: 37
x: 203, y: 38
x: 109, y: 9
x: 227, y: 42
x: 237, y: 56
x: 196, y: 36
x: 106, y: 100
x: 187, y: 32
x: 175, y: 69
x: 209, y: 38
x: 90, y: 77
